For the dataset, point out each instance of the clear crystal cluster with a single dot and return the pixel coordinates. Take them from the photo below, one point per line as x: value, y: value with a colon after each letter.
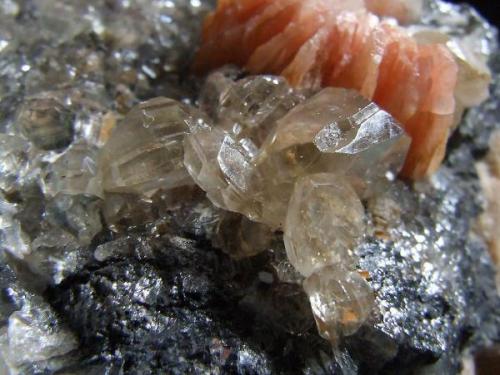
x: 334, y: 131
x: 97, y: 185
x: 301, y: 162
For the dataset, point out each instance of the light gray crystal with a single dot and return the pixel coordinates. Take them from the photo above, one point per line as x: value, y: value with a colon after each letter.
x: 14, y: 163
x: 76, y: 214
x: 33, y: 335
x: 74, y: 172
x: 46, y: 123
x: 12, y: 237
x: 248, y: 108
x: 341, y: 300
x: 240, y: 237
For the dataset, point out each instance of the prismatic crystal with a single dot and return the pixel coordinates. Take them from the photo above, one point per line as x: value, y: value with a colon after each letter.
x: 301, y: 162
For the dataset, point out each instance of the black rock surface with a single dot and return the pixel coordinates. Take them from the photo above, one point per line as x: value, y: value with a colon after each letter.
x: 190, y: 309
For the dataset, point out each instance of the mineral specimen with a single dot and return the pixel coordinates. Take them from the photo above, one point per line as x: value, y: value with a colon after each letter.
x: 248, y: 107
x: 338, y: 43
x: 32, y: 333
x: 324, y: 224
x: 341, y: 301
x: 14, y: 166
x: 12, y: 237
x: 74, y: 172
x: 330, y: 147
x: 241, y: 237
x: 136, y: 273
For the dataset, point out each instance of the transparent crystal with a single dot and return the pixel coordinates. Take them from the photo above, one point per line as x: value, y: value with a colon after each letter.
x: 55, y: 255
x: 145, y: 151
x: 352, y: 135
x: 324, y: 223
x: 77, y: 214
x: 46, y: 122
x: 335, y: 131
x: 74, y: 172
x: 12, y: 237
x: 248, y: 108
x: 341, y: 301
x: 282, y: 267
x: 123, y: 246
x: 215, y: 87
x: 122, y: 211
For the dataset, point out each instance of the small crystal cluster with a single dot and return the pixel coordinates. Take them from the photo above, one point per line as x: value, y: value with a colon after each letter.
x: 303, y: 169
x: 107, y: 259
x: 423, y: 76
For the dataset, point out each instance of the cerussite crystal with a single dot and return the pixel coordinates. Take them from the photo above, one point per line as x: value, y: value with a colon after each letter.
x: 221, y: 159
x: 74, y: 172
x: 347, y: 134
x: 310, y: 164
x: 249, y: 107
x: 325, y: 221
x: 341, y: 300
x: 145, y: 151
x: 14, y: 165
x: 335, y: 131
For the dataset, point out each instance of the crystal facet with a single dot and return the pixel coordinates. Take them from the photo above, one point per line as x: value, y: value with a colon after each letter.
x: 13, y: 161
x: 241, y: 237
x: 334, y: 131
x: 145, y: 151
x: 324, y: 223
x: 341, y: 301
x: 74, y: 172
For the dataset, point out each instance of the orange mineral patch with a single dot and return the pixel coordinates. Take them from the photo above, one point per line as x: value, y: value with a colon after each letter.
x: 318, y: 43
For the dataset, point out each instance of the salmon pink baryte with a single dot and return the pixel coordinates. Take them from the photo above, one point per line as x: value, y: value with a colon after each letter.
x: 340, y: 43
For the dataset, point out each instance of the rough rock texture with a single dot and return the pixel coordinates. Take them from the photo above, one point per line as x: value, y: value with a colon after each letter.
x: 188, y: 309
